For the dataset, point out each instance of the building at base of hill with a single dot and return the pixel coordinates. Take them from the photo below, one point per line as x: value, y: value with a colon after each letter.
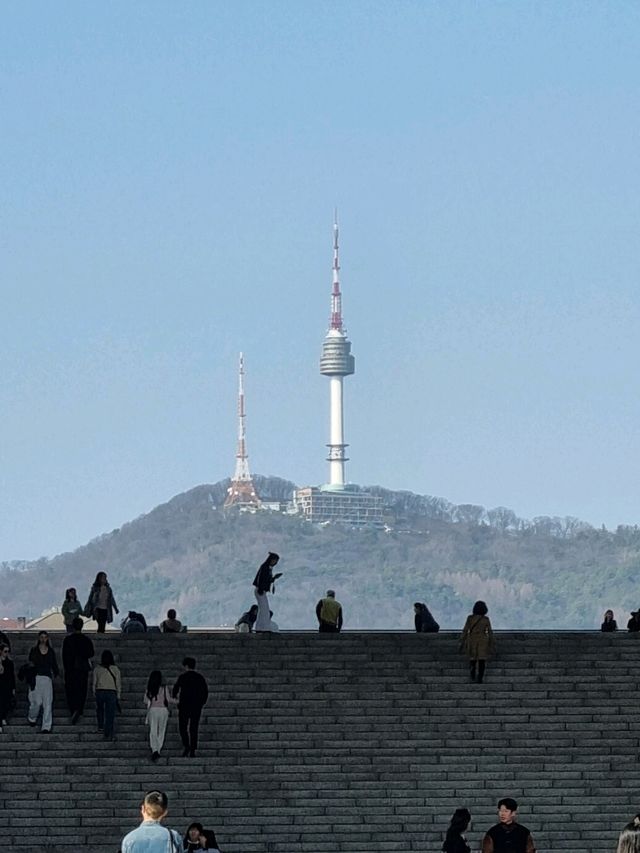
x: 348, y: 505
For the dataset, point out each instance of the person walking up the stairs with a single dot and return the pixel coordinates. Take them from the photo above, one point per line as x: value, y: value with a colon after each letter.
x: 329, y: 613
x: 43, y: 659
x: 477, y: 640
x: 508, y: 836
x: 107, y: 686
x: 151, y: 836
x: 455, y: 842
x: 77, y: 651
x: 191, y: 691
x: 264, y: 582
x: 157, y: 699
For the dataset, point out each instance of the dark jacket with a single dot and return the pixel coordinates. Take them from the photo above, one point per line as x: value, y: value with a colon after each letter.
x: 455, y: 843
x: 248, y: 618
x: 263, y: 580
x: 44, y: 664
x: 609, y: 626
x: 508, y: 838
x: 92, y: 603
x: 77, y: 651
x: 4, y: 640
x: 425, y: 623
x: 190, y: 689
x: 7, y: 678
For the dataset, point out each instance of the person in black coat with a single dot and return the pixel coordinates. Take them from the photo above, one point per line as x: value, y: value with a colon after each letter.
x: 7, y: 684
x: 424, y: 621
x: 191, y: 691
x: 609, y: 624
x: 77, y: 651
x: 455, y: 842
x: 264, y: 582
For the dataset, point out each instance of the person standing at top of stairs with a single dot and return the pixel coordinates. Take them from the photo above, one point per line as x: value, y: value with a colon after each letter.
x: 477, y: 640
x: 264, y: 582
x: 101, y: 604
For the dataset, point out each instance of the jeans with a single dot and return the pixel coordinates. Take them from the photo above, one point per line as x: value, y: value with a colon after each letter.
x: 106, y: 711
x: 41, y: 697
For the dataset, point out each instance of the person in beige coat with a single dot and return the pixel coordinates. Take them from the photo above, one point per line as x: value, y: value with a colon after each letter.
x: 477, y: 640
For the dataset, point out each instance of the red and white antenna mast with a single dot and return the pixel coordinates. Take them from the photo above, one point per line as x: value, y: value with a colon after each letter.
x: 241, y: 491
x: 336, y: 295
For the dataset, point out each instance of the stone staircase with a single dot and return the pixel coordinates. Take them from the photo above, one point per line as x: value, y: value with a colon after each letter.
x: 361, y: 742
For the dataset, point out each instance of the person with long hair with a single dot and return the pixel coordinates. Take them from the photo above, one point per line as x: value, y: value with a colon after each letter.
x: 455, y: 842
x: 264, y: 582
x: 609, y: 623
x: 71, y: 608
x: 157, y: 699
x: 191, y: 839
x: 629, y: 839
x: 477, y: 640
x: 43, y: 660
x: 208, y: 841
x: 101, y: 603
x: 107, y: 687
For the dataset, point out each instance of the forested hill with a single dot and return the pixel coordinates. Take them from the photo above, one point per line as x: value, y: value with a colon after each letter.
x: 190, y: 554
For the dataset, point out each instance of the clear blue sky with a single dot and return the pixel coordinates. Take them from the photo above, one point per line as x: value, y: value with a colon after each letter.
x: 169, y: 173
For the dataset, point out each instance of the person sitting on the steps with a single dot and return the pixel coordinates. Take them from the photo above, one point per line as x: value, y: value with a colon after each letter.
x: 329, y: 613
x: 133, y: 623
x: 191, y: 840
x: 633, y: 625
x: 609, y: 624
x: 245, y: 623
x: 171, y: 625
x: 508, y: 836
x: 424, y: 621
x: 477, y: 640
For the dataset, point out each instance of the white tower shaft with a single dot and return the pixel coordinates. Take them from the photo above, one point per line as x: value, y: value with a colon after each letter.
x: 337, y: 446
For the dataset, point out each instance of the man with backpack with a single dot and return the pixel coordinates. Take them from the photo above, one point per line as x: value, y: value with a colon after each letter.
x: 77, y: 651
x: 151, y: 836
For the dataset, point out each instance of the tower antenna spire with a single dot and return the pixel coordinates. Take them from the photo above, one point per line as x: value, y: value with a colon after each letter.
x: 241, y: 491
x: 336, y: 296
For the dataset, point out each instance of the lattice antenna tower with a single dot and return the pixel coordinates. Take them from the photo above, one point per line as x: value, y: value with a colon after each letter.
x: 241, y: 492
